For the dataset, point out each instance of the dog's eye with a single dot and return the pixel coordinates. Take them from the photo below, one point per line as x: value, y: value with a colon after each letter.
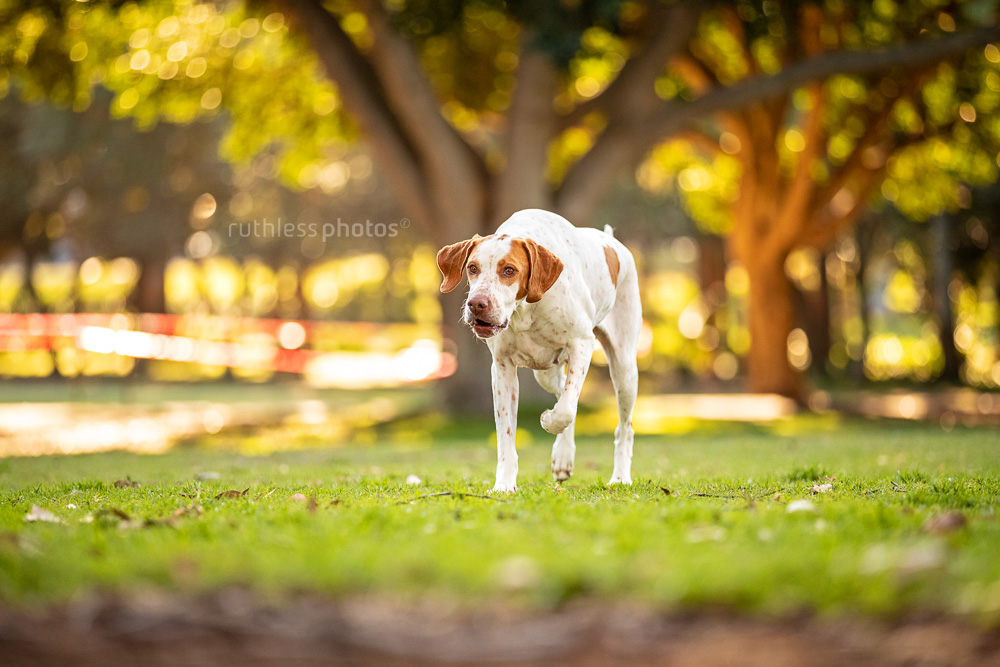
x: 509, y: 271
x: 473, y: 269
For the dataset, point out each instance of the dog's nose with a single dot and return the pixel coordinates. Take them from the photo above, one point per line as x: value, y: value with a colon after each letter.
x: 478, y: 305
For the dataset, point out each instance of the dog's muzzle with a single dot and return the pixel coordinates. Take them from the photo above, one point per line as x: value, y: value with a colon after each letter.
x: 476, y: 317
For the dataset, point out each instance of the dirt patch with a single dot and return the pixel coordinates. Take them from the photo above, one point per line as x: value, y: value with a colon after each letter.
x: 235, y: 627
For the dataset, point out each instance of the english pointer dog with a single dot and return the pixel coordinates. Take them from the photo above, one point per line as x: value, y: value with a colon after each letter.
x: 540, y: 292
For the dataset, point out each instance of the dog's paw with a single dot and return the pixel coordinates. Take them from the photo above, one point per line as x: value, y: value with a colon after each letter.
x: 504, y: 487
x: 562, y: 463
x: 555, y: 422
x: 618, y: 478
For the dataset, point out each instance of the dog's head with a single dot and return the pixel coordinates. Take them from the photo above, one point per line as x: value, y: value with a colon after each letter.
x: 502, y: 271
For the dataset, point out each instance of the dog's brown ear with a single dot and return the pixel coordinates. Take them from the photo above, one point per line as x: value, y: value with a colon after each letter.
x: 543, y: 269
x: 451, y: 260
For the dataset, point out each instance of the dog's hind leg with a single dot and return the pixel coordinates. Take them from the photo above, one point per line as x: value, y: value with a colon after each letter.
x: 553, y: 380
x: 619, y: 336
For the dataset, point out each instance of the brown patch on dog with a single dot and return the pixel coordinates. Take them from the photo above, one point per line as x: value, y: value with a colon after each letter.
x: 611, y: 257
x: 517, y: 259
x: 544, y: 269
x: 451, y: 261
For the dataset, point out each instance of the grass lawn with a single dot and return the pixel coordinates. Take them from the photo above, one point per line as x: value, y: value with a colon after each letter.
x: 722, y: 517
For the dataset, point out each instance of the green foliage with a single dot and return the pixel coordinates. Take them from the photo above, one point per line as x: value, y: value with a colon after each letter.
x: 724, y: 536
x: 709, y: 184
x: 178, y: 61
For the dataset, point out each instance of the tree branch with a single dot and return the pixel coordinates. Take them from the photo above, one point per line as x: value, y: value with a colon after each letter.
x: 795, y: 204
x: 675, y: 114
x: 673, y: 27
x: 455, y: 171
x: 822, y: 233
x: 364, y: 99
x: 874, y: 132
x: 623, y: 142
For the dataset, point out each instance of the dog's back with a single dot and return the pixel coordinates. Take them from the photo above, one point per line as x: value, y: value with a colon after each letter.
x: 594, y: 259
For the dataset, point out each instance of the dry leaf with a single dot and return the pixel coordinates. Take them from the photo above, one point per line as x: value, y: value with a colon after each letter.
x: 126, y: 483
x: 190, y: 509
x: 665, y: 490
x: 822, y: 488
x: 232, y: 493
x: 312, y: 505
x: 113, y: 511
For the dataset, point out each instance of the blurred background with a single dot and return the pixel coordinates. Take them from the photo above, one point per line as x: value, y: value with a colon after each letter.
x: 224, y: 215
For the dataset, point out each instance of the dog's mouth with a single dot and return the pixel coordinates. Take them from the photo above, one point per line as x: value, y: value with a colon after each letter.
x: 484, y: 329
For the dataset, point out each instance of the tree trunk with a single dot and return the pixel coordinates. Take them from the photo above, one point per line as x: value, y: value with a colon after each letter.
x: 771, y: 318
x: 148, y: 295
x: 530, y: 127
x: 816, y: 309
x: 942, y: 268
x: 864, y: 236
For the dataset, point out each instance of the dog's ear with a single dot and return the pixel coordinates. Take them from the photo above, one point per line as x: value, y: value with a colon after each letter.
x: 451, y: 260
x: 543, y: 269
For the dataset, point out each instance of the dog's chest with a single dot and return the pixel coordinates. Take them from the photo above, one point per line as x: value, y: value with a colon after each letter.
x: 537, y: 347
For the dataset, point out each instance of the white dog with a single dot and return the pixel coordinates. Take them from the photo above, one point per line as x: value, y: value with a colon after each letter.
x: 540, y: 291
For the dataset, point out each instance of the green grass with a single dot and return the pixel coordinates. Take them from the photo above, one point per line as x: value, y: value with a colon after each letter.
x: 722, y: 538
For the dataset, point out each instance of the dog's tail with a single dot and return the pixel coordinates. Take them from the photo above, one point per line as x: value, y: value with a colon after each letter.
x: 609, y: 230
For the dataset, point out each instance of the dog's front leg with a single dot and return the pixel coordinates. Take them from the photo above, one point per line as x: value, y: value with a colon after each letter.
x: 562, y: 415
x: 505, y: 413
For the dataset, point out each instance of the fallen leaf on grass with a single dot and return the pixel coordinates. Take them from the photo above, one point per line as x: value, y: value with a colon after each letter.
x: 942, y: 524
x: 665, y: 490
x: 41, y: 515
x: 190, y: 509
x: 300, y: 497
x: 163, y: 520
x: 113, y: 512
x: 232, y: 493
x: 126, y: 483
x: 821, y: 488
x: 801, y: 505
x: 312, y: 505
